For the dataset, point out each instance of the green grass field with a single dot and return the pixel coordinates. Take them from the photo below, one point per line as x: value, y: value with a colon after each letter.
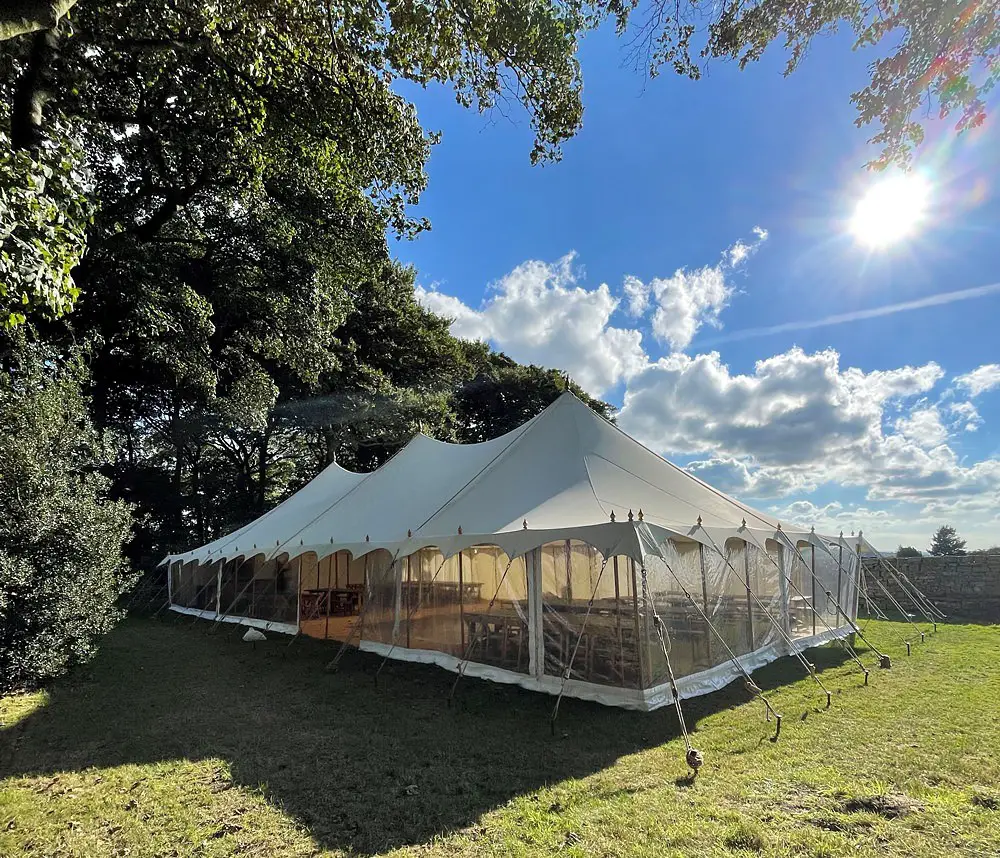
x: 176, y: 742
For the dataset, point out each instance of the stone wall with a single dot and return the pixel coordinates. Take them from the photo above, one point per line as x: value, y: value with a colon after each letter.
x: 964, y: 587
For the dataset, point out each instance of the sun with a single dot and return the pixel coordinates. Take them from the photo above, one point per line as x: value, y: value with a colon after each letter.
x: 892, y: 210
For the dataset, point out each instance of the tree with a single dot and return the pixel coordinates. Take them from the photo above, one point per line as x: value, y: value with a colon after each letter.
x: 61, y: 567
x: 907, y: 551
x: 945, y: 57
x: 946, y: 542
x: 188, y: 106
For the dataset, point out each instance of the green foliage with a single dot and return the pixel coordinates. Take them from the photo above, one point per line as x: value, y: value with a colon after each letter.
x: 61, y: 539
x: 946, y: 542
x: 940, y: 56
x: 907, y: 551
x: 504, y: 394
x: 44, y: 213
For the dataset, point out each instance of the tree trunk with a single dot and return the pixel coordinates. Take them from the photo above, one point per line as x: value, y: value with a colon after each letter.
x: 30, y: 93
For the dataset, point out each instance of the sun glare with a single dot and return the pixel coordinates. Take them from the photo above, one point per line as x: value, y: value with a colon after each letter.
x: 891, y: 211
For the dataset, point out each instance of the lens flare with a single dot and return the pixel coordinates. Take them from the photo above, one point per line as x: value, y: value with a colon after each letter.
x: 892, y: 210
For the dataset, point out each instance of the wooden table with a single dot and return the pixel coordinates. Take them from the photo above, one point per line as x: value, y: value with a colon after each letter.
x: 330, y: 602
x: 441, y: 592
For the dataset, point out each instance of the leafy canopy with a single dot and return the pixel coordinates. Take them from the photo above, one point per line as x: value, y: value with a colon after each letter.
x: 938, y: 56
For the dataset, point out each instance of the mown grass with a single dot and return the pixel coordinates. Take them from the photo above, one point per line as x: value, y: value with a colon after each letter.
x: 175, y: 742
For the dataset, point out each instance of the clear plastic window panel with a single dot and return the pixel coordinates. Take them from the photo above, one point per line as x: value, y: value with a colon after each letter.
x: 430, y: 602
x: 273, y: 592
x: 764, y: 576
x: 195, y: 586
x: 802, y: 622
x: 331, y: 598
x: 826, y: 581
x: 382, y: 621
x: 596, y: 642
x: 686, y: 634
x: 495, y: 608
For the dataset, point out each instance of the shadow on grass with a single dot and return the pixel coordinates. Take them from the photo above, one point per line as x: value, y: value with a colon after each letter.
x: 364, y: 768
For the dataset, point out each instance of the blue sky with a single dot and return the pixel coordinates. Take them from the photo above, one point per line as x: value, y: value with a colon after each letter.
x: 685, y: 214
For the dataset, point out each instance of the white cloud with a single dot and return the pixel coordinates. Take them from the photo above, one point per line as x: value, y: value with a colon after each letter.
x: 800, y: 421
x: 538, y: 314
x: 686, y: 301
x: 743, y: 478
x: 795, y: 410
x: 689, y: 298
x: 965, y: 416
x: 980, y: 380
x: 923, y: 426
x: 637, y: 293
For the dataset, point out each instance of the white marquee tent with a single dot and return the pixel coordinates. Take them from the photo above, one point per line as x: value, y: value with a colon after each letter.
x: 550, y: 557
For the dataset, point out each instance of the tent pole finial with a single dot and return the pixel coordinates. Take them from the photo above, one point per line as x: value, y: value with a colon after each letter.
x: 699, y: 521
x: 744, y: 524
x: 524, y: 524
x: 640, y: 513
x: 612, y: 515
x: 367, y: 538
x: 630, y: 515
x: 409, y: 534
x: 460, y: 530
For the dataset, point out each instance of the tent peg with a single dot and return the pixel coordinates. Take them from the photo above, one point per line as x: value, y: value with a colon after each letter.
x: 921, y: 637
x: 908, y: 648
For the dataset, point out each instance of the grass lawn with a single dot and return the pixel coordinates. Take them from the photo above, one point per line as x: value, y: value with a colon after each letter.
x: 176, y: 742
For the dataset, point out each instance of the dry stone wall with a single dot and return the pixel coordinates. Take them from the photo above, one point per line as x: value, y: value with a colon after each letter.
x: 964, y: 587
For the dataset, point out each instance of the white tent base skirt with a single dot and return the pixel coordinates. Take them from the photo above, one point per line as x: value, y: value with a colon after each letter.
x: 645, y: 700
x: 263, y: 625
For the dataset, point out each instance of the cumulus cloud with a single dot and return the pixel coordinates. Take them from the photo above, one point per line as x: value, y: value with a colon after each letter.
x: 689, y: 298
x: 796, y: 409
x: 923, y: 426
x: 744, y: 478
x: 637, y: 293
x: 981, y: 379
x: 799, y: 421
x: 539, y: 314
x: 686, y: 301
x: 965, y: 416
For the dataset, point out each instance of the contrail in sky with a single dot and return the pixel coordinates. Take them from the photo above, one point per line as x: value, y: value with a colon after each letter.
x: 857, y: 315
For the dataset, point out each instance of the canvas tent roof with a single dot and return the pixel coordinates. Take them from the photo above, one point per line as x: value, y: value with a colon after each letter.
x: 563, y: 472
